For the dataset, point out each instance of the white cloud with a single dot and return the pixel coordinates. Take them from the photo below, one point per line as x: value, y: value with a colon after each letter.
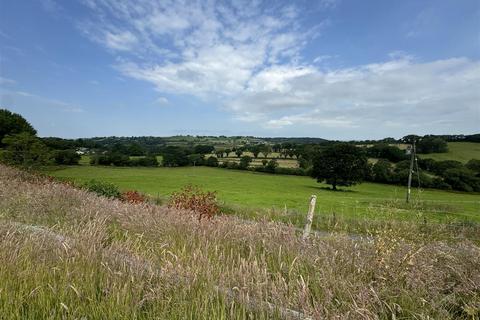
x: 120, y: 41
x: 197, y: 47
x: 248, y: 59
x: 162, y: 101
x: 400, y: 90
x: 313, y: 118
x: 6, y: 81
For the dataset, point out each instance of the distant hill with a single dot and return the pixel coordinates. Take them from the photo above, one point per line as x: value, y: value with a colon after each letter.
x: 459, y: 151
x: 299, y: 140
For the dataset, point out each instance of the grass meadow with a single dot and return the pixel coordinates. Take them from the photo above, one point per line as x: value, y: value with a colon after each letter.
x: 259, y: 195
x: 460, y: 151
x: 69, y: 254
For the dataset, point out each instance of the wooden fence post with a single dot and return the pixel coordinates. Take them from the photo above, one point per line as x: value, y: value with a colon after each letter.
x: 308, y: 223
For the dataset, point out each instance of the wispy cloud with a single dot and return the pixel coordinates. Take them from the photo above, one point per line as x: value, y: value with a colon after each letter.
x: 6, y: 81
x: 162, y: 101
x: 247, y: 57
x: 206, y: 47
x: 11, y: 96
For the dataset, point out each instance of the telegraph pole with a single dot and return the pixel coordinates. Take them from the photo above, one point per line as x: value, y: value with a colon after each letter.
x: 413, y: 157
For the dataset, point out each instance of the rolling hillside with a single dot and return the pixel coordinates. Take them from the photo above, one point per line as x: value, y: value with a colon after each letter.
x: 460, y: 151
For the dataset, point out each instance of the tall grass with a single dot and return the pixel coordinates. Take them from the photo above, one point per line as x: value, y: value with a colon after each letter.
x: 68, y: 254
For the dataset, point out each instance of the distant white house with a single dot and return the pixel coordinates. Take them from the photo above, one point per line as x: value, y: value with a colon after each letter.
x: 82, y: 151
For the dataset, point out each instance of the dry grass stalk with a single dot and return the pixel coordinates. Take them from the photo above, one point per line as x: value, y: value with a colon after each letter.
x: 103, y: 275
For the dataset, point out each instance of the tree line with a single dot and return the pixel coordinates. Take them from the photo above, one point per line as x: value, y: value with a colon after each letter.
x: 338, y: 164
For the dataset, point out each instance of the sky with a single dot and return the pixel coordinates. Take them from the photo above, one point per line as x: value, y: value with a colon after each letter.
x: 334, y: 69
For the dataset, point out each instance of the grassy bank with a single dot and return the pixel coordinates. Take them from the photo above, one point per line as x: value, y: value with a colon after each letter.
x: 69, y: 254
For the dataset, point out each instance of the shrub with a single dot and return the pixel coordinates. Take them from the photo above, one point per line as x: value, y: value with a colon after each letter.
x: 119, y: 160
x: 196, y: 159
x: 148, y: 161
x: 427, y: 164
x: 202, y: 203
x: 211, y: 162
x: 174, y: 156
x: 292, y: 171
x: 232, y: 165
x: 382, y: 171
x: 133, y: 196
x: 271, y: 166
x: 474, y: 165
x: 462, y: 179
x: 441, y: 166
x: 101, y: 188
x: 432, y: 145
x: 245, y: 162
x: 66, y: 157
x: 304, y: 162
x: 438, y: 183
x: 384, y: 151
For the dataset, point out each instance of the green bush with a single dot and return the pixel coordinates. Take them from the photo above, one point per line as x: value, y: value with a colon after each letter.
x: 245, y: 162
x: 101, y: 188
x: 66, y: 157
x: 211, y: 162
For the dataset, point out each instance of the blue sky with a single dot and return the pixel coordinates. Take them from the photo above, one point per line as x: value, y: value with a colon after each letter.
x: 335, y: 69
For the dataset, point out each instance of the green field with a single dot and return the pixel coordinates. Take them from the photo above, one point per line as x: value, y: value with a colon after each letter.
x: 246, y: 192
x: 460, y: 151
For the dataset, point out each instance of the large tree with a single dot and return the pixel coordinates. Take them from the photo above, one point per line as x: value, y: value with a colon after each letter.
x: 26, y: 150
x: 340, y: 165
x: 13, y: 123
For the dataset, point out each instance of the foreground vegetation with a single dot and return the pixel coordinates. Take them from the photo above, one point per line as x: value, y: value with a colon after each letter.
x: 69, y: 254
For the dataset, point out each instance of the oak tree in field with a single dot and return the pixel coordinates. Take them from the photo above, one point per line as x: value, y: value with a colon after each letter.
x: 340, y: 165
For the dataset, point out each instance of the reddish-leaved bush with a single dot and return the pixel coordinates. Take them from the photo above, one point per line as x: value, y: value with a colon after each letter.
x: 202, y: 203
x: 133, y: 196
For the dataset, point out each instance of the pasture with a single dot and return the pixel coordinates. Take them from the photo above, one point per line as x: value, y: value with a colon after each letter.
x: 459, y: 151
x: 256, y: 195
